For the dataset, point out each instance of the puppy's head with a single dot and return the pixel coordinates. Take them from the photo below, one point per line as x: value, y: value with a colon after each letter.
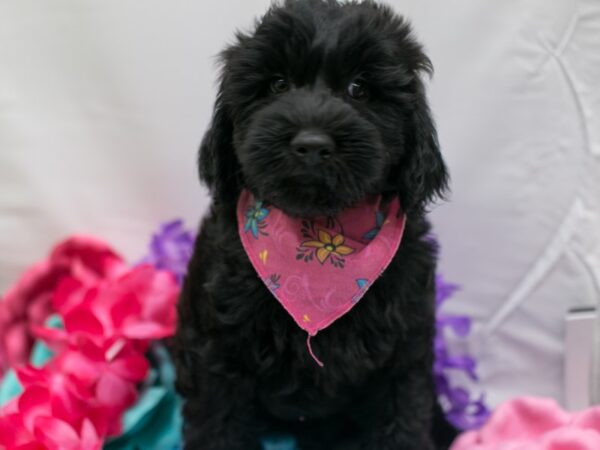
x: 322, y: 105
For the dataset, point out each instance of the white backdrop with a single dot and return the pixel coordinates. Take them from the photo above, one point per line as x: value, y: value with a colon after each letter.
x: 103, y: 104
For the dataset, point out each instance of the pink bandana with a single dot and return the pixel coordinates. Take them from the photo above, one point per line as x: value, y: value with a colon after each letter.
x: 319, y: 269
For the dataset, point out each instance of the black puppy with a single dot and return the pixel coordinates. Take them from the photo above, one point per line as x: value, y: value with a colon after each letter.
x: 346, y: 77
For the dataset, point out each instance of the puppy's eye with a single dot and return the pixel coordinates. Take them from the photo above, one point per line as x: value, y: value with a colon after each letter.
x: 279, y: 85
x: 357, y: 89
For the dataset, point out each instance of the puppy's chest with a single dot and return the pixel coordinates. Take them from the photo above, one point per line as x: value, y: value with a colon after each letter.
x: 368, y: 332
x: 243, y: 305
x: 362, y: 334
x: 352, y: 349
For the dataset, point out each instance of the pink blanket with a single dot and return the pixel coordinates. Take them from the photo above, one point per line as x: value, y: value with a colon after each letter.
x: 530, y: 423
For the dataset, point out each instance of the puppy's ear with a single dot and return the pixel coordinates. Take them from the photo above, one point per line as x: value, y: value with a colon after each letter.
x: 421, y: 174
x: 217, y: 164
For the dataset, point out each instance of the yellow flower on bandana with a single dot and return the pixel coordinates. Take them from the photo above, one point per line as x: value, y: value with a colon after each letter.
x: 328, y: 245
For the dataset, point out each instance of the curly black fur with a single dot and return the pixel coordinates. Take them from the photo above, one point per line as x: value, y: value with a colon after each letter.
x: 242, y: 362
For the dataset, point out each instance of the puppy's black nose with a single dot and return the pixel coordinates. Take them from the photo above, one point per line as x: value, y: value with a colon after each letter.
x: 313, y: 146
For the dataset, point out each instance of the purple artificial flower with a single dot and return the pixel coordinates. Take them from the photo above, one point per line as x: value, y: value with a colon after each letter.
x: 461, y: 409
x: 171, y: 248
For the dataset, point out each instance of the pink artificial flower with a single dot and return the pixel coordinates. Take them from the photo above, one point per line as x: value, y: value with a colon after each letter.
x: 68, y: 396
x: 28, y: 303
x: 148, y: 309
x: 34, y: 426
x: 110, y: 315
x: 58, y: 435
x: 530, y: 423
x: 140, y: 305
x: 14, y: 435
x: 111, y: 373
x: 83, y: 383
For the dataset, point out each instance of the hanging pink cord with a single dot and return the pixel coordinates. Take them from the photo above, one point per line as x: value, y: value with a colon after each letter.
x: 310, y: 350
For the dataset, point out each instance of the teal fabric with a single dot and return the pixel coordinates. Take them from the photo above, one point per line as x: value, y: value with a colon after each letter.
x: 154, y: 422
x: 10, y: 387
x: 279, y: 443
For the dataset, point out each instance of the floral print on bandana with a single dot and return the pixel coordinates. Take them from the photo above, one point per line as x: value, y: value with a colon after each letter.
x: 379, y: 221
x: 255, y: 219
x: 326, y: 247
x: 272, y: 282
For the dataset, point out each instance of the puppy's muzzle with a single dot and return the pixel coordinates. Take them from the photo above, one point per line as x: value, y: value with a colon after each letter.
x: 312, y: 147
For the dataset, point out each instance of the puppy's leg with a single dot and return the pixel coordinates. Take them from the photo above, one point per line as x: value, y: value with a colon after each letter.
x: 330, y: 434
x: 400, y: 413
x: 221, y: 415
